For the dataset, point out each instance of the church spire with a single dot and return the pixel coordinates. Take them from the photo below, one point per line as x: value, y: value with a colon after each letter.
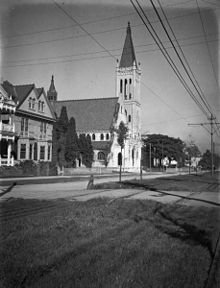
x: 52, y: 93
x: 128, y: 58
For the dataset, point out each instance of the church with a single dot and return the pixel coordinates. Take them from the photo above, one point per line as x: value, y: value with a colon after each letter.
x: 101, y: 117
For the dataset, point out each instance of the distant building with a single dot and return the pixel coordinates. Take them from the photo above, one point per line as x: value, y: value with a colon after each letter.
x: 33, y: 120
x: 7, y: 128
x: 101, y: 117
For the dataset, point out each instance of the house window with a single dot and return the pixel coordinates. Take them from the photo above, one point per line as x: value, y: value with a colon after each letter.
x: 93, y: 136
x: 107, y: 136
x: 41, y: 126
x: 26, y: 124
x: 29, y: 103
x: 101, y: 156
x: 33, y: 104
x: 42, y: 152
x: 23, y: 151
x: 129, y: 118
x: 42, y: 106
x: 45, y: 128
x: 101, y: 137
x: 48, y: 153
x: 30, y: 151
x: 39, y: 105
x: 22, y: 124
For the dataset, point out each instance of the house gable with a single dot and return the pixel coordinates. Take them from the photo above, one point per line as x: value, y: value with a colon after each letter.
x: 36, y: 104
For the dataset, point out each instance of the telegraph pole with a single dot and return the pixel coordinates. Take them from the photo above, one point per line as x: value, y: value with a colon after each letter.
x: 211, y: 132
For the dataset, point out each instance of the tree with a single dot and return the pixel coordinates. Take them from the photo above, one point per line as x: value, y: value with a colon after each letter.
x: 71, y: 147
x: 206, y: 161
x: 59, y: 138
x: 163, y: 146
x: 121, y: 137
x: 86, y: 150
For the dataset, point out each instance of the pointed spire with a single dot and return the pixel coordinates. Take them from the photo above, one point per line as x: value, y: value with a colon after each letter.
x: 52, y: 93
x: 52, y: 87
x: 128, y: 58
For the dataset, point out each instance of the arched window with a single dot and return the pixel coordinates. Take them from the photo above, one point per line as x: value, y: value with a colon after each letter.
x: 121, y: 85
x: 126, y: 113
x: 93, y: 136
x: 129, y: 118
x: 39, y: 105
x: 42, y: 106
x: 101, y: 137
x: 130, y: 81
x: 107, y: 136
x: 101, y: 156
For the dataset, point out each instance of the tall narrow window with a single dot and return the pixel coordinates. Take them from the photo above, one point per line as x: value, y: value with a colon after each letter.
x: 23, y: 151
x: 22, y: 124
x: 121, y: 86
x: 42, y: 152
x: 29, y: 103
x: 129, y: 118
x: 26, y: 124
x: 101, y: 137
x: 30, y: 151
x: 107, y: 136
x: 41, y: 126
x: 42, y: 106
x: 48, y: 153
x: 125, y: 89
x: 45, y: 128
x: 33, y: 104
x: 93, y: 136
x: 39, y: 105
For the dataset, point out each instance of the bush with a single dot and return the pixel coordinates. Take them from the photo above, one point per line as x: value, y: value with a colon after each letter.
x: 28, y: 167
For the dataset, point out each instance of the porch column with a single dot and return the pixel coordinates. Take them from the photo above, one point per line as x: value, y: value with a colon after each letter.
x: 9, y: 152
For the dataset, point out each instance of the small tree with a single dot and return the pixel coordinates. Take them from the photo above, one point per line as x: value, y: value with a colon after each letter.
x: 86, y: 150
x: 71, y: 148
x: 122, y: 135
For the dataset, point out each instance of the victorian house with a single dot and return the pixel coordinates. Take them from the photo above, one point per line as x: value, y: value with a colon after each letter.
x: 7, y: 128
x: 33, y: 122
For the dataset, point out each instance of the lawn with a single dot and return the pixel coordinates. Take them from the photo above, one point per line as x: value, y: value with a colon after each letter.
x: 100, y: 243
x: 193, y: 183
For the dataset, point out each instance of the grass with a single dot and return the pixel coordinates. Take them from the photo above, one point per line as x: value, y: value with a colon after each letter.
x: 98, y: 243
x: 192, y: 183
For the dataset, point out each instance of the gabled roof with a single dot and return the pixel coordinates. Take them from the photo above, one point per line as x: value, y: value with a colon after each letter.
x: 23, y: 91
x: 128, y: 55
x: 90, y: 114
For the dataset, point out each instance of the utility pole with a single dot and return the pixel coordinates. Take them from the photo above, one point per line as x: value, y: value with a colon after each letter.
x: 211, y: 132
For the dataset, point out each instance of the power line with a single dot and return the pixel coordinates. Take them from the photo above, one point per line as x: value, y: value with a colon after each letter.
x: 77, y: 36
x: 200, y: 93
x: 96, y: 52
x: 89, y: 34
x: 87, y: 58
x: 165, y: 54
x: 98, y: 21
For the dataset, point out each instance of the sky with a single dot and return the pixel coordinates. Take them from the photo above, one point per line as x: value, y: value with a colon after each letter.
x: 79, y: 41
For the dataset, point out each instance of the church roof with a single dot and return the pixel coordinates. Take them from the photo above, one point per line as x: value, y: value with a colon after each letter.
x: 128, y: 57
x: 90, y: 114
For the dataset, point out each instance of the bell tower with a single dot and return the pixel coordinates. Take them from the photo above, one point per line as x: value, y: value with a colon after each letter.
x: 128, y: 75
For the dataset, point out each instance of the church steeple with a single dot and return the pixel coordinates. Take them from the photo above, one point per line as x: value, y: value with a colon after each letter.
x: 52, y: 93
x: 128, y: 58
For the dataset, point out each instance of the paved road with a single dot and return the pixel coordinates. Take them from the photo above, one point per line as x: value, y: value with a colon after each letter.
x: 77, y: 191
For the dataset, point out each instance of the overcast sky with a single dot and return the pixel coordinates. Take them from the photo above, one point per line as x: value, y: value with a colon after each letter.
x: 73, y: 41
